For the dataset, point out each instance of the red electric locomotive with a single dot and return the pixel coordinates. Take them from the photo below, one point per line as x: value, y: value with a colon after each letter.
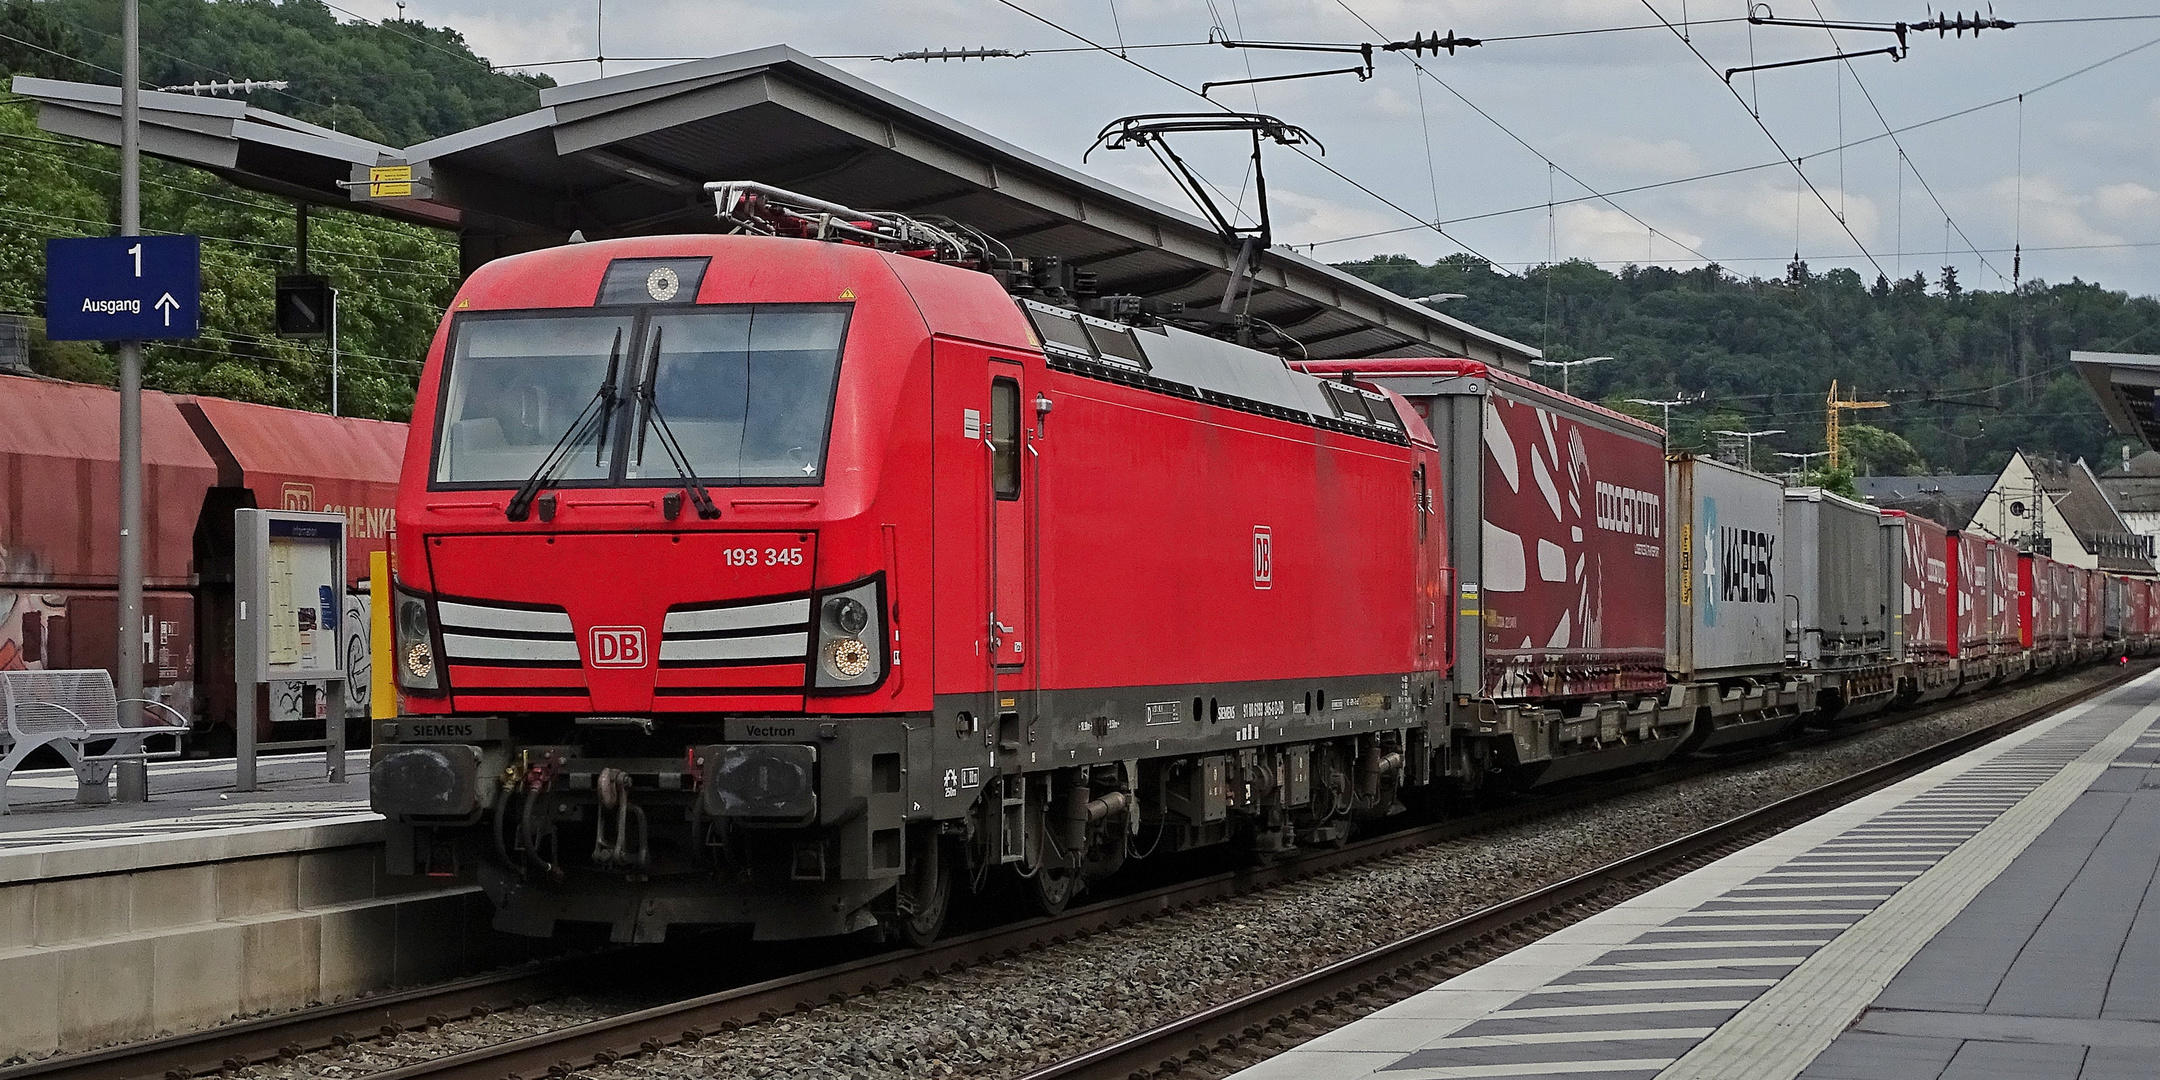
x: 757, y: 580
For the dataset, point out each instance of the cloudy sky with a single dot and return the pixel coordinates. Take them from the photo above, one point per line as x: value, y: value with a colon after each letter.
x: 1622, y: 146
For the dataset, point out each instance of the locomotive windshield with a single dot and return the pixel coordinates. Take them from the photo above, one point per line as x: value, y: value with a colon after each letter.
x: 746, y: 391
x: 516, y: 386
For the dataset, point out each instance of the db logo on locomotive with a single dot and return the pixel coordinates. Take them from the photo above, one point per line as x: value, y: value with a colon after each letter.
x: 618, y: 647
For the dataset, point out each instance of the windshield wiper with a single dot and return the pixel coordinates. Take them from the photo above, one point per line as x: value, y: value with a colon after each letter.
x: 699, y: 497
x: 604, y: 399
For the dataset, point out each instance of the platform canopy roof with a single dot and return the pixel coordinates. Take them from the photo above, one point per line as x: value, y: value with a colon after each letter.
x: 2125, y: 384
x: 629, y: 155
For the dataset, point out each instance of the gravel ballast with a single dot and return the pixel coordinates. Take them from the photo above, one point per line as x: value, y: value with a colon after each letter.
x: 1004, y: 1018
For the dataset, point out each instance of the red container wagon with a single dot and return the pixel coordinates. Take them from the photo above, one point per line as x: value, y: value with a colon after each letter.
x: 2147, y: 592
x: 1561, y: 584
x: 1925, y: 583
x: 1972, y: 578
x: 2112, y: 621
x: 1924, y: 637
x: 2036, y: 602
x: 2086, y: 609
x: 876, y: 584
x: 59, y: 532
x: 2004, y: 630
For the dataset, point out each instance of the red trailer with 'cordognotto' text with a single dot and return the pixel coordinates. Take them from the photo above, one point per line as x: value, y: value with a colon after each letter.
x: 1560, y: 587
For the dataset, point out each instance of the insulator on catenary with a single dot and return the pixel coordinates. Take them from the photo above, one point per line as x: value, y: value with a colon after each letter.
x: 1420, y: 44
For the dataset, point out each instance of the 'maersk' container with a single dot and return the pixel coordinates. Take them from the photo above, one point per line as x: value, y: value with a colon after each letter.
x: 1723, y: 598
x: 1836, y: 581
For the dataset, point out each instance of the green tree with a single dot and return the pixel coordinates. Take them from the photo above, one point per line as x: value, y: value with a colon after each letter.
x: 1872, y: 451
x: 399, y: 82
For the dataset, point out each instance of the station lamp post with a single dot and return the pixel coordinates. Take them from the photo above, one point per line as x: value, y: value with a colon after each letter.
x: 1751, y: 436
x: 1567, y: 367
x: 1803, y: 459
x: 1668, y: 406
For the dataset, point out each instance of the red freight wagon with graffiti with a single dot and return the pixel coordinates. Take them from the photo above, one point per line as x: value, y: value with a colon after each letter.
x: 202, y: 458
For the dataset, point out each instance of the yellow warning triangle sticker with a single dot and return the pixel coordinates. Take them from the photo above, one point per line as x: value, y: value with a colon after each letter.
x: 847, y: 294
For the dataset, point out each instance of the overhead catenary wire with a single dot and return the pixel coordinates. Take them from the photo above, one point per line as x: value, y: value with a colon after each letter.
x: 1767, y: 133
x: 1337, y: 173
x: 1889, y: 131
x: 1422, y: 70
x: 1717, y: 174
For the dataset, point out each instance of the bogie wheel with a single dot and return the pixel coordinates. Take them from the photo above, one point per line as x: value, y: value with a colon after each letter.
x: 1052, y: 888
x: 928, y: 897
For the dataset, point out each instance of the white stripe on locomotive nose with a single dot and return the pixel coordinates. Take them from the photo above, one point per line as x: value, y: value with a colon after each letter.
x: 473, y: 617
x: 777, y: 613
x: 766, y: 647
x: 467, y: 647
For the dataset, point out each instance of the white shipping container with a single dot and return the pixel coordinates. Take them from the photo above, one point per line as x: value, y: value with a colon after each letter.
x: 1726, y: 593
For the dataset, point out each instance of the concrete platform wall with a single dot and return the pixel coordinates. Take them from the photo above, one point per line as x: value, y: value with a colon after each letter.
x: 188, y: 932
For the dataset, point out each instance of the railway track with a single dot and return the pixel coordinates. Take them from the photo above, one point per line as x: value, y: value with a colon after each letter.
x: 1409, y: 963
x: 1233, y: 1034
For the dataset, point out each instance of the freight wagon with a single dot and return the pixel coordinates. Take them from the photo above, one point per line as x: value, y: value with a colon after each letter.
x: 800, y: 585
x: 202, y: 459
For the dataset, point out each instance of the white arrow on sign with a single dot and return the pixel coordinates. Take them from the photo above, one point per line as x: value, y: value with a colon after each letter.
x: 168, y: 305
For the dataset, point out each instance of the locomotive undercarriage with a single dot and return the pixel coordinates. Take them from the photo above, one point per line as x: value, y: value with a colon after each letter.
x: 738, y: 823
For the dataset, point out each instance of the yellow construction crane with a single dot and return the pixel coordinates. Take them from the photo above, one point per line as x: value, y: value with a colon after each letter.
x: 1831, y: 417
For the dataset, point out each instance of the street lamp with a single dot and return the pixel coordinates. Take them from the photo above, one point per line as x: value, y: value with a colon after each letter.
x: 1567, y: 367
x: 1803, y: 458
x: 1751, y: 436
x: 1668, y: 406
x: 1440, y: 298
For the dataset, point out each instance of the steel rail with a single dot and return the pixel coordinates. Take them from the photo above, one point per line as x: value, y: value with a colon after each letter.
x: 1188, y: 1043
x: 269, y: 1039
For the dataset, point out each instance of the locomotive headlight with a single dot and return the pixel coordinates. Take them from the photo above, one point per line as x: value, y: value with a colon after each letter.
x: 847, y: 658
x: 414, y: 645
x: 847, y: 615
x: 852, y: 638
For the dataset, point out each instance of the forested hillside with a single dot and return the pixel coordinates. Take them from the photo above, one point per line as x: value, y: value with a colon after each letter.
x: 1972, y: 375
x: 397, y: 83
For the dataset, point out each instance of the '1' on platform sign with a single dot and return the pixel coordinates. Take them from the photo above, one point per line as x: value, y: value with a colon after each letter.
x: 123, y: 288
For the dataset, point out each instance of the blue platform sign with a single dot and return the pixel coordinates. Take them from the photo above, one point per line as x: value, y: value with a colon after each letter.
x: 123, y: 288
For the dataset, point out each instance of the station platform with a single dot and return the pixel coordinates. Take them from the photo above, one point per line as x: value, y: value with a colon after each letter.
x: 189, y: 798
x: 1995, y: 918
x: 122, y: 920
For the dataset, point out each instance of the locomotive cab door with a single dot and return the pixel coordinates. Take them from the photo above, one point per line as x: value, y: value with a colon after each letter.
x: 1010, y: 498
x: 1011, y: 594
x: 1011, y: 618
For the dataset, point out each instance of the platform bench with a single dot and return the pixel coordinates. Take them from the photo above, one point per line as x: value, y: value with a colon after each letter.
x: 70, y: 709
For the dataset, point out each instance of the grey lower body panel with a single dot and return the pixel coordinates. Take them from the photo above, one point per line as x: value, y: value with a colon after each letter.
x: 643, y: 911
